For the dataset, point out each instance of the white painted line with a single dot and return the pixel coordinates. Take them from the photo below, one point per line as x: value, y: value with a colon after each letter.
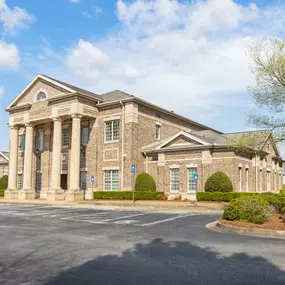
x: 37, y: 213
x: 72, y: 217
x: 165, y: 220
x: 126, y: 217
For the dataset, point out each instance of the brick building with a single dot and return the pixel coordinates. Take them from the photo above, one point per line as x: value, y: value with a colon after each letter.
x: 61, y: 135
x: 4, y: 163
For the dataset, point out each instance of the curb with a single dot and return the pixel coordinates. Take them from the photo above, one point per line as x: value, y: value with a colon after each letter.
x: 266, y: 233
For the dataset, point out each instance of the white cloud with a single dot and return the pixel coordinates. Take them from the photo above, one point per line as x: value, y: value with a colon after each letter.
x: 15, y: 17
x: 87, y: 60
x: 187, y: 56
x: 9, y: 56
x: 1, y: 91
x: 167, y: 47
x: 93, y: 11
x: 74, y: 1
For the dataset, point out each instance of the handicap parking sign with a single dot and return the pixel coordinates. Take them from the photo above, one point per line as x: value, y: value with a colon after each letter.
x: 196, y: 177
x: 92, y: 178
x: 133, y: 168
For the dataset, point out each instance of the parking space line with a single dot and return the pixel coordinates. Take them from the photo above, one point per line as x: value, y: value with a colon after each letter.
x: 165, y: 220
x: 126, y: 217
x: 71, y: 217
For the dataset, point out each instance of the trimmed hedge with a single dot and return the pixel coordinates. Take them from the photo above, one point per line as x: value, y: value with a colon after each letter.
x: 145, y: 182
x: 252, y: 209
x: 219, y: 182
x: 222, y: 196
x: 127, y: 195
x: 3, y: 184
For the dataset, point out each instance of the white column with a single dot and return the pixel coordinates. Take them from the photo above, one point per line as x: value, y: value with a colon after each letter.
x: 13, y: 159
x: 75, y: 153
x: 56, y: 156
x: 28, y: 158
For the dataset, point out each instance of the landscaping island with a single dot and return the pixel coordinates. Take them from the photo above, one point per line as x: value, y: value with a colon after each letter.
x: 259, y: 215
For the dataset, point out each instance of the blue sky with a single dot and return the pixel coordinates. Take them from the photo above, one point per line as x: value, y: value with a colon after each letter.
x: 187, y: 56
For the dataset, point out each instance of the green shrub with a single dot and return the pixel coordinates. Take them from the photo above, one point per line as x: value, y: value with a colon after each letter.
x: 145, y: 182
x: 127, y: 195
x: 222, y: 197
x: 218, y: 182
x: 3, y: 182
x: 282, y: 190
x: 275, y: 200
x: 1, y: 193
x: 252, y: 209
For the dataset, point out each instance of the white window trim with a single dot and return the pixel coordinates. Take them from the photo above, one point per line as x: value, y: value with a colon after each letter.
x: 246, y: 179
x: 111, y: 120
x: 188, y: 190
x: 268, y: 181
x: 159, y: 133
x: 240, y: 179
x: 113, y: 169
x: 170, y: 184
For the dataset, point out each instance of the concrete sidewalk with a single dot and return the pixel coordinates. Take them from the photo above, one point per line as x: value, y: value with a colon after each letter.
x: 154, y: 206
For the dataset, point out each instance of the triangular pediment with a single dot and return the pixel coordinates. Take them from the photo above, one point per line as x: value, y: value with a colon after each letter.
x: 40, y: 84
x: 182, y: 139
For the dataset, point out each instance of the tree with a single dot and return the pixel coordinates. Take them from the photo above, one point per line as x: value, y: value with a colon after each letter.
x: 267, y: 62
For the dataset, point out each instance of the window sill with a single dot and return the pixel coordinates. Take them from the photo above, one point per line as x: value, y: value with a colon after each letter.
x: 108, y: 142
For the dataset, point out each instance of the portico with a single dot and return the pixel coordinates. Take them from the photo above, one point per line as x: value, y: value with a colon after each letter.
x: 41, y: 123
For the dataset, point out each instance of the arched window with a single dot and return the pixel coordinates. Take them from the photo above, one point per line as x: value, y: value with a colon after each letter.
x: 41, y: 96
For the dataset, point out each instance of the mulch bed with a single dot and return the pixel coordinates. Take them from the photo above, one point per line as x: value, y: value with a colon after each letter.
x: 274, y: 223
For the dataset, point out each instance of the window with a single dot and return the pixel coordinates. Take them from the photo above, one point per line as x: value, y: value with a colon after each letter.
x: 240, y: 179
x: 111, y: 180
x: 157, y: 132
x: 40, y: 140
x: 174, y: 180
x: 246, y: 179
x: 65, y: 137
x: 260, y: 180
x: 22, y: 143
x: 41, y: 96
x: 112, y: 130
x: 38, y: 182
x: 84, y: 135
x: 268, y: 181
x: 83, y: 180
x: 20, y: 181
x: 192, y: 184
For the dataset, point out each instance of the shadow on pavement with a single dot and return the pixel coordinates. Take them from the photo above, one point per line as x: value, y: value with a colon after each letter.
x: 180, y: 263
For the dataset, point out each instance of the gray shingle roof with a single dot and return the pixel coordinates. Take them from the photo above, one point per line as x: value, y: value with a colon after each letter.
x: 209, y: 136
x: 115, y: 95
x: 75, y: 88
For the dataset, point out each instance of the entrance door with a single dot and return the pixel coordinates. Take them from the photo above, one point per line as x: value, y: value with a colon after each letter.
x: 63, y: 181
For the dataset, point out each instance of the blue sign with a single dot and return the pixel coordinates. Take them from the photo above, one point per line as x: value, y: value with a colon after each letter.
x: 196, y: 177
x: 133, y: 168
x: 92, y: 178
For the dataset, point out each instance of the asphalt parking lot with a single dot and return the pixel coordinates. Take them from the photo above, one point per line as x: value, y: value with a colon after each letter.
x: 65, y: 245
